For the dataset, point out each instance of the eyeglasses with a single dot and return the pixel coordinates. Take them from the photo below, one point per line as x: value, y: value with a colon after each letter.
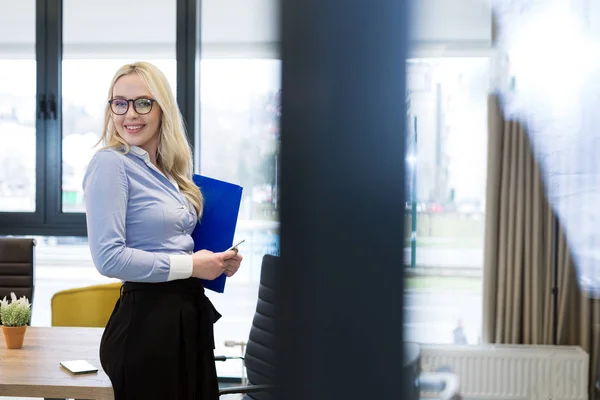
x: 121, y: 106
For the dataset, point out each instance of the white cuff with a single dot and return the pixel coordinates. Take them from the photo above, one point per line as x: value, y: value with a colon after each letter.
x: 182, y: 266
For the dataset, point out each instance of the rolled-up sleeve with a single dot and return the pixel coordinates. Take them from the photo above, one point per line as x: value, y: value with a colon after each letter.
x: 105, y: 187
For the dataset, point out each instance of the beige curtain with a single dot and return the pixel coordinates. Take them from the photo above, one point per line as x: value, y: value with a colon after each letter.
x: 519, y: 257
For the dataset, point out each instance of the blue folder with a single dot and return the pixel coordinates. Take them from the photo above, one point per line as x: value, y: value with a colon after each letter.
x: 216, y: 228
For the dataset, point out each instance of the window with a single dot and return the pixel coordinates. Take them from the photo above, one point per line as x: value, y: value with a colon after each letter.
x: 17, y: 134
x: 56, y: 62
x: 92, y: 50
x: 18, y: 87
x: 445, y: 204
x: 91, y: 55
x: 238, y: 141
x: 53, y: 83
x: 240, y: 144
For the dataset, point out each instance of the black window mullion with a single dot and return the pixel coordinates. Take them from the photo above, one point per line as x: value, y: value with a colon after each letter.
x: 40, y: 54
x: 188, y: 59
x: 71, y: 222
x: 53, y: 131
x: 21, y: 223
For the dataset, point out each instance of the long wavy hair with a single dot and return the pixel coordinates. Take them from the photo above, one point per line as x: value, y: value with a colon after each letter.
x: 174, y: 154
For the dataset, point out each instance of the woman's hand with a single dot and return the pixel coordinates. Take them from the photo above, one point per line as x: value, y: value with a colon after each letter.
x: 233, y: 259
x: 209, y: 265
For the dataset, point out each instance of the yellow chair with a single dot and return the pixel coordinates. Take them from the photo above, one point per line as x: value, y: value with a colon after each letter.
x: 89, y: 306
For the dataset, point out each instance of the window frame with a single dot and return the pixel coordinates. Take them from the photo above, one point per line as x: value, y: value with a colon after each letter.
x: 497, y: 75
x: 48, y: 217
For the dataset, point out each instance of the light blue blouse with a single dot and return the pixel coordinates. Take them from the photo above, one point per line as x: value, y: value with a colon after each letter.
x: 139, y: 224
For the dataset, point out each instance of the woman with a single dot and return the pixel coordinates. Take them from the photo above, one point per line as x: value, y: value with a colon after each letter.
x: 141, y: 207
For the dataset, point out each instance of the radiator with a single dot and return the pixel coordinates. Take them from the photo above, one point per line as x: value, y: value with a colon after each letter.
x: 513, y: 372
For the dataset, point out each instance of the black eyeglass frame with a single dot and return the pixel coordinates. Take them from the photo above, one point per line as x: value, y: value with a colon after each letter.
x: 152, y: 101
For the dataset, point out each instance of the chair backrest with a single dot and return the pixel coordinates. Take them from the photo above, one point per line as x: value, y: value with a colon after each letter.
x: 260, y: 351
x: 89, y: 306
x: 17, y: 266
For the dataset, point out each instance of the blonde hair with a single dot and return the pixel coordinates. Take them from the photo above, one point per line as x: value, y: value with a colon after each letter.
x: 174, y: 155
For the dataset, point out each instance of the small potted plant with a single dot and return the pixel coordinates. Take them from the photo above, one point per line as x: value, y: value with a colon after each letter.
x: 15, y: 316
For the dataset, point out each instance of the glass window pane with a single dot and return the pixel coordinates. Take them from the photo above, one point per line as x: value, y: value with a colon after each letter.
x: 17, y: 106
x: 445, y: 198
x: 97, y: 42
x: 240, y: 144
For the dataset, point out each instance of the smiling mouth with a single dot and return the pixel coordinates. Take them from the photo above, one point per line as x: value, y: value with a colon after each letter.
x: 133, y: 128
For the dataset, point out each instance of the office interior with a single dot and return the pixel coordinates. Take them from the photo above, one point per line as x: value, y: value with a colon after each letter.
x: 490, y: 304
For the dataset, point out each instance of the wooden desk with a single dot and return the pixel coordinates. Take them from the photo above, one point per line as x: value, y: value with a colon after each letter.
x: 34, y: 370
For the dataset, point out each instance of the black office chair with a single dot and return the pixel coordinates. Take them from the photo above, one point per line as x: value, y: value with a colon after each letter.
x: 17, y: 265
x: 260, y: 352
x: 259, y: 358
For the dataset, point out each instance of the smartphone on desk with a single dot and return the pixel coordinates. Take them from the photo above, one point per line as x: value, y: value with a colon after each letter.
x: 78, y: 367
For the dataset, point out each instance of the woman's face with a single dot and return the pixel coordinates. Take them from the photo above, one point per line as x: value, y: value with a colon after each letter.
x: 136, y: 127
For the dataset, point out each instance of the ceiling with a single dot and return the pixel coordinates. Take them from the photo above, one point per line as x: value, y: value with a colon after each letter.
x: 123, y: 26
x: 127, y: 27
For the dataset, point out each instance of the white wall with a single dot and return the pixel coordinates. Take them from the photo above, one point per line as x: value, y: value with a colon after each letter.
x: 118, y: 27
x: 239, y: 26
x: 442, y: 26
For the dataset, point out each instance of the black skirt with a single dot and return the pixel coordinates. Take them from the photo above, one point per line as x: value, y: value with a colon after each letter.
x: 159, y: 343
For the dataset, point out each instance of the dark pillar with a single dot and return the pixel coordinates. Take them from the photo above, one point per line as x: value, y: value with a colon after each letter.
x: 342, y: 198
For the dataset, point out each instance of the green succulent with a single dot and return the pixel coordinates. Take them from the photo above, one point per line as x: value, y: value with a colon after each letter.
x: 15, y: 313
